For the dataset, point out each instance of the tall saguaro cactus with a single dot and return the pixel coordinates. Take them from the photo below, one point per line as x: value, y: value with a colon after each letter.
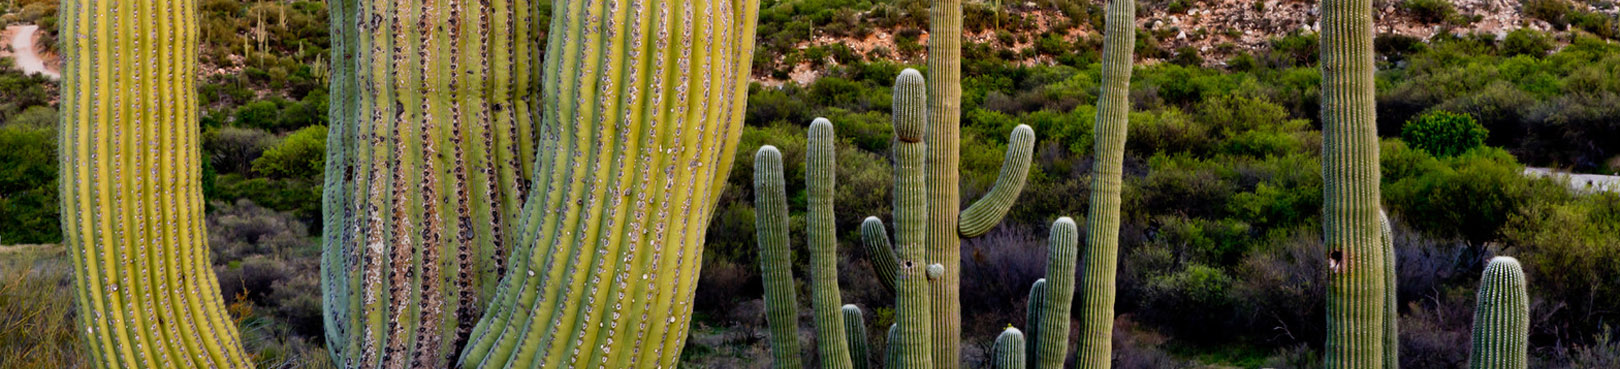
x: 914, y: 337
x: 642, y: 109
x: 776, y: 258
x: 131, y: 198
x: 1501, y: 318
x: 1102, y: 219
x: 820, y: 178
x: 1356, y: 296
x: 428, y: 155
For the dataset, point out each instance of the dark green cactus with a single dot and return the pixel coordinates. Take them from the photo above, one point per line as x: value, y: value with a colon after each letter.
x: 855, y: 334
x: 1102, y: 219
x: 876, y: 241
x: 1008, y: 352
x: 429, y: 150
x: 1501, y: 318
x: 776, y: 258
x: 820, y: 172
x: 1392, y: 315
x: 1054, y: 328
x: 1032, y: 320
x: 1356, y: 305
x: 642, y: 110
x: 131, y: 199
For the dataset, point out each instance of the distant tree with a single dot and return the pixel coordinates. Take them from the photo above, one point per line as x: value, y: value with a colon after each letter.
x: 1525, y: 41
x: 1443, y: 133
x: 301, y: 155
x: 28, y: 205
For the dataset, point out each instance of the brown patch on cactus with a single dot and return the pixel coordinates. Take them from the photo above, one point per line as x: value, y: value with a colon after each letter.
x: 1336, y: 261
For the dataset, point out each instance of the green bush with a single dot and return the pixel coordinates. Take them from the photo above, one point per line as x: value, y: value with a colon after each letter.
x: 1443, y: 133
x: 1429, y: 11
x: 301, y: 155
x: 1525, y: 41
x: 28, y: 193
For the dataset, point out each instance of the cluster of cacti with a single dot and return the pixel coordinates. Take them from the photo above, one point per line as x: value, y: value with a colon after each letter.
x: 1053, y: 331
x: 131, y: 196
x: 1102, y: 217
x: 1501, y: 318
x: 429, y: 151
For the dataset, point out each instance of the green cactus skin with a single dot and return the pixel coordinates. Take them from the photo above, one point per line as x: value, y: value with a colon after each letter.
x: 820, y: 172
x: 1392, y: 338
x: 875, y: 240
x: 988, y: 211
x: 642, y: 110
x: 1102, y: 218
x: 776, y: 258
x: 1032, y: 320
x: 131, y: 198
x: 1062, y: 251
x: 429, y: 151
x: 911, y: 225
x: 891, y: 350
x: 1501, y: 318
x: 855, y: 334
x: 1009, y: 350
x: 1350, y: 201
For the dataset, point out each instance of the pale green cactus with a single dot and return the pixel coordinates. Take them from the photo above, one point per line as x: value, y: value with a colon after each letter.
x: 820, y: 172
x: 131, y: 196
x: 876, y: 241
x: 429, y: 151
x: 1008, y: 353
x: 1392, y: 315
x: 776, y: 258
x: 1501, y: 318
x: 1054, y: 316
x: 911, y: 225
x: 1356, y: 306
x: 1102, y: 219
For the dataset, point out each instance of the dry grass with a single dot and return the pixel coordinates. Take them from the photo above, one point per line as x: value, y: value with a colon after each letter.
x: 37, y: 315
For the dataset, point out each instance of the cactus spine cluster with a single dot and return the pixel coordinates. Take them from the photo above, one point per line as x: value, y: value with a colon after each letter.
x: 1008, y: 352
x: 1501, y: 318
x: 776, y: 258
x: 1356, y: 307
x: 429, y: 150
x: 131, y: 198
x: 1102, y: 218
x: 642, y: 106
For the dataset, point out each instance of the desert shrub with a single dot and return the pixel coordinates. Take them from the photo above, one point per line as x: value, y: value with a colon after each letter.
x: 1137, y: 348
x: 1443, y: 133
x: 241, y: 229
x: 1525, y: 41
x: 28, y: 187
x: 1470, y: 197
x: 301, y: 154
x: 251, y: 278
x: 38, y: 315
x: 300, y: 197
x: 1551, y: 11
x: 262, y: 114
x: 233, y: 150
x: 1429, y: 11
x: 296, y: 302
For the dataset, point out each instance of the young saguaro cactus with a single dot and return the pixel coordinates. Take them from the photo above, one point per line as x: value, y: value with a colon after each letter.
x: 643, y: 106
x: 855, y: 333
x: 1008, y: 352
x: 1032, y: 321
x: 1102, y: 220
x: 1054, y: 318
x: 776, y: 258
x: 131, y: 198
x: 1356, y: 278
x: 820, y: 171
x: 429, y: 151
x: 1501, y: 318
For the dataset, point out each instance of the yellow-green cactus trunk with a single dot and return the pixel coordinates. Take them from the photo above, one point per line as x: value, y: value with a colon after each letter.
x: 1350, y: 202
x: 642, y: 106
x: 429, y: 149
x: 131, y: 198
x: 1102, y: 217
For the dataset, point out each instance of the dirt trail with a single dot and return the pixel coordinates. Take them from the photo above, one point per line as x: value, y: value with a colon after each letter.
x: 23, y: 52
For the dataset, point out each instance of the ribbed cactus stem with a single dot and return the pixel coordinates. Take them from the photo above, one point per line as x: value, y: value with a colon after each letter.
x: 912, y: 310
x: 1032, y: 321
x: 985, y: 213
x: 131, y: 199
x: 429, y: 151
x: 1062, y: 252
x: 875, y: 240
x: 891, y: 351
x: 776, y: 258
x: 641, y: 111
x: 1392, y: 315
x: 820, y: 177
x: 1350, y: 201
x: 855, y: 334
x: 1102, y: 218
x: 1008, y: 352
x: 944, y: 183
x: 1501, y: 318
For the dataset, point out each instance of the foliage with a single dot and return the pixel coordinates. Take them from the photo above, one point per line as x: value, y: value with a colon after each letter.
x: 300, y: 155
x: 28, y: 187
x: 1443, y: 133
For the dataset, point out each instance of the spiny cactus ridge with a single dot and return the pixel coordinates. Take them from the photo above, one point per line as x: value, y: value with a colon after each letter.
x: 1501, y: 318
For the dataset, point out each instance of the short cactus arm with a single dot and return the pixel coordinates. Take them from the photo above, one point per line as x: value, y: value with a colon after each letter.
x: 1032, y: 320
x: 911, y: 225
x: 820, y: 172
x: 988, y: 211
x: 875, y: 240
x: 1009, y: 350
x: 776, y: 258
x: 1501, y: 318
x: 855, y: 333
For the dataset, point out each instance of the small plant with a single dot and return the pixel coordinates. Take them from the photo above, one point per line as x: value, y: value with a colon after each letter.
x: 1443, y: 133
x: 1429, y: 11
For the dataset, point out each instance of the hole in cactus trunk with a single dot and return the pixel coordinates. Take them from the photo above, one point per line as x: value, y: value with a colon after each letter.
x: 1335, y: 260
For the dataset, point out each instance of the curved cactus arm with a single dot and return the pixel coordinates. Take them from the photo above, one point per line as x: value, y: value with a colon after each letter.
x: 985, y: 213
x: 855, y: 334
x: 776, y: 258
x: 911, y: 225
x: 1392, y: 314
x: 131, y: 199
x: 1062, y: 253
x: 1032, y: 320
x: 820, y: 172
x: 1501, y: 318
x: 1350, y: 190
x: 1008, y: 352
x: 875, y: 240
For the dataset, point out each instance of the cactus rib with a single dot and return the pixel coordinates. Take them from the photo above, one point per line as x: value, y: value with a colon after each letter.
x: 1054, y: 328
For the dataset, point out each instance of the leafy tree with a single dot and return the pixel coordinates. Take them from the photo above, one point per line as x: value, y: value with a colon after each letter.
x: 1443, y: 133
x: 301, y: 155
x: 28, y: 206
x: 1525, y: 41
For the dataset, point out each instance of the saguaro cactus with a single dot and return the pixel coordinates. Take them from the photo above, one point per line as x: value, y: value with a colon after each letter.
x: 642, y: 109
x: 911, y: 225
x: 428, y: 155
x: 820, y: 178
x: 1032, y: 321
x: 131, y: 200
x: 1008, y: 352
x: 776, y: 258
x: 855, y: 333
x: 1054, y: 320
x: 1102, y: 220
x: 1501, y: 318
x: 1356, y: 296
x: 1392, y: 314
